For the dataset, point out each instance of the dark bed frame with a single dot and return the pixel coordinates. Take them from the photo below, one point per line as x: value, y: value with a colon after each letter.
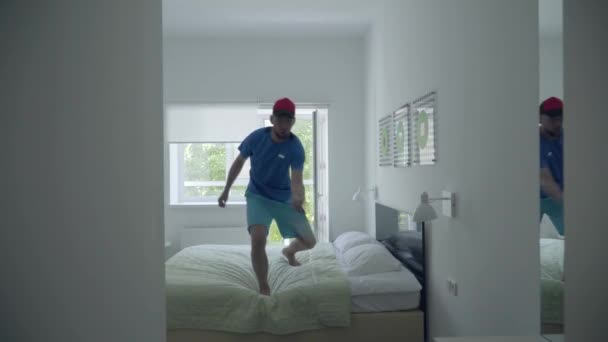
x: 407, y: 246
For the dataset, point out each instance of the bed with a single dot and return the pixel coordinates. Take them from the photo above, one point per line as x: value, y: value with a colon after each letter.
x: 552, y: 285
x: 355, y: 288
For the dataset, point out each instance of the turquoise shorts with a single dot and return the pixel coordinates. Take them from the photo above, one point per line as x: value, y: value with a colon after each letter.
x: 555, y: 211
x: 261, y: 211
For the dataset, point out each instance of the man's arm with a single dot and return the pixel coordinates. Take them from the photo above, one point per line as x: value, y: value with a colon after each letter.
x: 549, y: 186
x: 235, y: 169
x: 297, y: 190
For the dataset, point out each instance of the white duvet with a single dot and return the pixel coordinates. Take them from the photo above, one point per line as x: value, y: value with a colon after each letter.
x: 398, y: 282
x: 213, y: 287
x: 552, y: 280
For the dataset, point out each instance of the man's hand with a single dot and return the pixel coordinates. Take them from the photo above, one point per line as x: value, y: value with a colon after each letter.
x: 235, y: 169
x: 297, y: 191
x: 223, y: 199
x: 549, y: 186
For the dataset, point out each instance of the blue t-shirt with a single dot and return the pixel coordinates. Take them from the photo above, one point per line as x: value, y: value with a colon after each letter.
x: 551, y: 157
x: 270, y: 163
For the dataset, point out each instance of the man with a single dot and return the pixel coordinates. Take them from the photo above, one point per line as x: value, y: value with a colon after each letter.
x: 551, y: 162
x: 271, y: 193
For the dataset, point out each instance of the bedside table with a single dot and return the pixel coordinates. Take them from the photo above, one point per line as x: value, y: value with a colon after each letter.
x: 492, y: 339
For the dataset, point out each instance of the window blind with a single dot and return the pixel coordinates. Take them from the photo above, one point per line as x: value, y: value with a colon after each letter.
x: 210, y: 122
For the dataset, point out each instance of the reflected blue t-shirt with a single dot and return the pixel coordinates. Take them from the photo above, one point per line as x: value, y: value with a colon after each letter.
x: 270, y: 163
x: 552, y: 158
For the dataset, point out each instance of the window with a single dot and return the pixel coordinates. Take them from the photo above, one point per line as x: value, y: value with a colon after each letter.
x: 203, y: 142
x: 202, y: 169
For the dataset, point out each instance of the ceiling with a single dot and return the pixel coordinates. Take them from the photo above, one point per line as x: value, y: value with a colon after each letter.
x: 267, y: 17
x: 270, y: 18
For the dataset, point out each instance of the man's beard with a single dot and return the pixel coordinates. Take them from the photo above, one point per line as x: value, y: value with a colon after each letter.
x: 280, y: 135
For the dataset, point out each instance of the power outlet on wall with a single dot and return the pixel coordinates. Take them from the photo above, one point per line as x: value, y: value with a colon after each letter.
x: 452, y: 287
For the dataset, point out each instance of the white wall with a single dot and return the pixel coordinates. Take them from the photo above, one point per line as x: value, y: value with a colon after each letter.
x: 551, y: 66
x: 551, y: 28
x: 81, y: 132
x: 374, y: 91
x: 307, y: 70
x: 482, y: 58
x: 585, y: 169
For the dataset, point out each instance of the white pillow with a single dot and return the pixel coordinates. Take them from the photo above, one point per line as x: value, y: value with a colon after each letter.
x: 548, y: 230
x: 348, y: 240
x: 369, y: 259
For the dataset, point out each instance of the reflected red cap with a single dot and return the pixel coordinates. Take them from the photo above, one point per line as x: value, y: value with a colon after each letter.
x: 284, y: 106
x: 552, y: 107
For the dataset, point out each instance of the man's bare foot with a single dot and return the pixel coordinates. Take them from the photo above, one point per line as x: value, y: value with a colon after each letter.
x: 291, y: 258
x: 265, y: 290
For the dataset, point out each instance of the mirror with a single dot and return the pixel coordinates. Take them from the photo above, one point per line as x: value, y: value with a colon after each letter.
x: 551, y: 135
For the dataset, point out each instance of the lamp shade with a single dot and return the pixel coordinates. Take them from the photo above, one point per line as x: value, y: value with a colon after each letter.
x: 424, y: 212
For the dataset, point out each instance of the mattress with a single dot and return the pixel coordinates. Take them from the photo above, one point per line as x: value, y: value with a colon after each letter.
x: 385, y: 302
x: 381, y: 292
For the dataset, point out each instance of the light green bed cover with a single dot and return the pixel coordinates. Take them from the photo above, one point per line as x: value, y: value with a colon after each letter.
x: 213, y: 287
x: 552, y: 280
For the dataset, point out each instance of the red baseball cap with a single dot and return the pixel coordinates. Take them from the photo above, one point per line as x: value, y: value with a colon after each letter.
x: 284, y: 106
x: 552, y: 107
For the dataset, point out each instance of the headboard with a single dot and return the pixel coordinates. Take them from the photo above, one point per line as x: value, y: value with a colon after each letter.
x: 406, y: 241
x: 390, y: 221
x: 403, y: 238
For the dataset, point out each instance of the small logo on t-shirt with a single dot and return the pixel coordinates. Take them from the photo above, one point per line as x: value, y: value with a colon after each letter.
x: 281, y: 156
x: 550, y: 154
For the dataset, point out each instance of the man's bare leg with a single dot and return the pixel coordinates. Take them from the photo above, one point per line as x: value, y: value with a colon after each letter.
x: 298, y: 244
x: 259, y: 260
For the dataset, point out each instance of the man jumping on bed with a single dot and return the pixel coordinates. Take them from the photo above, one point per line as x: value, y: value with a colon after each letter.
x: 271, y: 193
x: 551, y: 162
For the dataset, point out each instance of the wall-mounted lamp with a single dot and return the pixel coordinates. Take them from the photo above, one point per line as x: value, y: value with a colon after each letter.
x: 358, y: 195
x: 426, y: 212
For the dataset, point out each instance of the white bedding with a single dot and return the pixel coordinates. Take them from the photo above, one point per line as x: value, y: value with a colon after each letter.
x: 552, y: 259
x: 385, y: 302
x: 213, y: 287
x: 552, y: 280
x: 398, y: 282
x: 379, y: 292
x: 191, y: 269
x: 388, y: 291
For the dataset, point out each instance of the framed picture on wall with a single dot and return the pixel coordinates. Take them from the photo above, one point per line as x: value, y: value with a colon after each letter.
x: 401, y: 137
x: 385, y: 141
x: 424, y: 130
